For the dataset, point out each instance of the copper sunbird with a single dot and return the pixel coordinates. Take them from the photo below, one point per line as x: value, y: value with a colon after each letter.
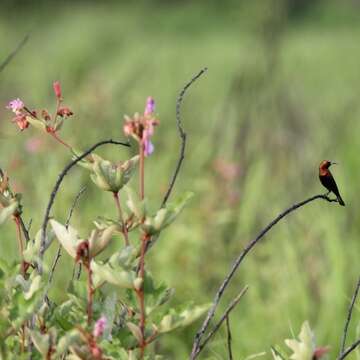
x: 328, y: 181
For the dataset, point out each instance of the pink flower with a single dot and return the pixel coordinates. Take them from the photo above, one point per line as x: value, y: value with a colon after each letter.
x: 320, y: 352
x: 99, y: 327
x: 16, y: 106
x: 21, y: 121
x: 57, y: 89
x: 150, y: 106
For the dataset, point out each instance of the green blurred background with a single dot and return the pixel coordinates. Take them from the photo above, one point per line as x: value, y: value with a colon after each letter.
x: 281, y: 94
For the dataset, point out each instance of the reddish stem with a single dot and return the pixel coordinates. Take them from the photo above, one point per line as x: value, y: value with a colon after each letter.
x: 121, y: 218
x: 54, y: 135
x: 90, y: 292
x: 142, y: 170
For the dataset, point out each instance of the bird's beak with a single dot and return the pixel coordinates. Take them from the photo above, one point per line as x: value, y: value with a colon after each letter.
x: 334, y: 163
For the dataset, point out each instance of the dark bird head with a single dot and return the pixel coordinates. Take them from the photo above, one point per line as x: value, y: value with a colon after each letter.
x: 325, y: 164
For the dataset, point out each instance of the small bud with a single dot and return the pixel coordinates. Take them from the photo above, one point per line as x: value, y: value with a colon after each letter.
x: 82, y: 252
x: 57, y: 89
x: 21, y: 122
x: 320, y: 352
x: 64, y: 112
x: 96, y: 352
x: 150, y: 106
x: 45, y: 115
x: 99, y: 327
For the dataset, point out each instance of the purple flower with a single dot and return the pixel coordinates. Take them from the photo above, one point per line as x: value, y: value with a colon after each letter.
x: 148, y: 147
x: 15, y: 105
x: 150, y: 106
x: 99, y: 327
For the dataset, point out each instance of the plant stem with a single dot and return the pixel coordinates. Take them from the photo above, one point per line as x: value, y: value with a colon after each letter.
x: 54, y: 135
x: 142, y: 170
x: 141, y: 295
x: 121, y: 218
x: 90, y: 291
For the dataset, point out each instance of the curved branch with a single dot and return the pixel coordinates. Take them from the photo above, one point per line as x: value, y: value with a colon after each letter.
x: 351, y: 308
x: 238, y: 261
x: 349, y: 350
x: 182, y: 135
x: 224, y: 317
x: 14, y: 52
x: 58, y: 183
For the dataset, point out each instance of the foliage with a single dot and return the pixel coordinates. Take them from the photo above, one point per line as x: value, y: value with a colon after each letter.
x: 117, y: 310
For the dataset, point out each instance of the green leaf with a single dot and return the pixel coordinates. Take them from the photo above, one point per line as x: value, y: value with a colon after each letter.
x: 8, y: 211
x: 174, y: 320
x: 39, y: 124
x: 124, y: 258
x: 135, y: 205
x: 303, y: 349
x: 71, y: 338
x: 165, y: 216
x: 41, y: 342
x: 68, y: 237
x: 135, y: 330
x: 110, y: 176
x: 117, y: 277
x: 110, y: 313
x: 100, y: 239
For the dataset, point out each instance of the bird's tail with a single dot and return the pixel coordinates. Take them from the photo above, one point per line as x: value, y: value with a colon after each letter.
x: 340, y: 200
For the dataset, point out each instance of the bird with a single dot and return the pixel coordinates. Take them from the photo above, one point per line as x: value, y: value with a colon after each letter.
x: 328, y: 181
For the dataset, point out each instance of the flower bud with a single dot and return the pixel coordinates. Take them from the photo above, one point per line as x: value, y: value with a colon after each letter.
x: 57, y: 89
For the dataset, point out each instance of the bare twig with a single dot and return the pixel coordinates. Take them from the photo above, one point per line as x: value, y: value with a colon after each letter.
x: 182, y: 135
x: 222, y: 319
x: 24, y: 230
x: 349, y: 350
x: 351, y: 308
x: 238, y: 261
x: 13, y: 53
x: 58, y: 253
x: 58, y: 183
x: 229, y: 337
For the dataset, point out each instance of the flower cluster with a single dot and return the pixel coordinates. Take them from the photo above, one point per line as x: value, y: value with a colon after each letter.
x: 43, y: 119
x: 18, y: 108
x: 141, y: 127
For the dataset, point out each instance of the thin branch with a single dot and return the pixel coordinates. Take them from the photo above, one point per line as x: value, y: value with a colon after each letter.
x: 24, y: 230
x: 229, y: 337
x: 238, y: 261
x: 13, y: 53
x: 60, y: 180
x: 222, y: 319
x: 351, y: 308
x: 349, y: 350
x: 58, y: 253
x: 182, y: 135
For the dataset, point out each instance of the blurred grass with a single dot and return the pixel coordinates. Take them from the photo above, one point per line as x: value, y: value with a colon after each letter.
x: 280, y: 95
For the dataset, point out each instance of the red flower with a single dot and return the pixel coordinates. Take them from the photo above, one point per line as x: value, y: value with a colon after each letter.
x: 57, y: 89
